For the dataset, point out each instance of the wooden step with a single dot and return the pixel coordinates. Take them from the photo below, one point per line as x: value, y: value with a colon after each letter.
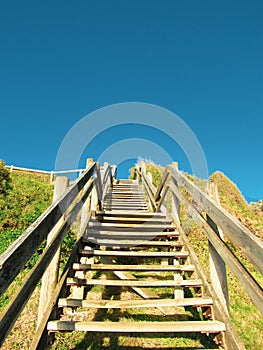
x: 118, y: 304
x: 127, y: 196
x: 123, y: 226
x: 129, y: 214
x: 138, y: 327
x: 125, y: 207
x: 130, y: 194
x: 136, y: 220
x: 125, y: 199
x: 136, y: 242
x: 129, y: 235
x: 131, y: 254
x: 125, y: 189
x: 115, y: 267
x: 124, y: 202
x: 73, y: 281
x: 126, y: 192
x: 130, y: 232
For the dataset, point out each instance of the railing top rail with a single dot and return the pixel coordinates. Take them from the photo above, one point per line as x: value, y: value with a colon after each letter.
x: 54, y: 172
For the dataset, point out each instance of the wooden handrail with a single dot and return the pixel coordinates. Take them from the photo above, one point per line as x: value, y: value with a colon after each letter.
x: 244, y: 277
x: 251, y: 245
x: 63, y: 211
x: 108, y: 174
x: 150, y: 189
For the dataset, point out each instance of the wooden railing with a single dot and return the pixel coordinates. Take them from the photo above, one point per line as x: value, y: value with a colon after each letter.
x: 51, y: 227
x: 50, y: 173
x: 213, y: 220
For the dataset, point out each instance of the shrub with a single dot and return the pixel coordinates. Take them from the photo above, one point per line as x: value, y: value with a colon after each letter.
x: 5, y: 180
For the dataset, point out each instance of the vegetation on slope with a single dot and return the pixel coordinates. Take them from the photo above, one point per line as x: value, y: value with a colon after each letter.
x: 24, y: 199
x: 232, y: 200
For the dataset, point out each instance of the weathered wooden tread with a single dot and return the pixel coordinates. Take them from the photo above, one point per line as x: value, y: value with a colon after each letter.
x: 126, y: 242
x: 142, y: 226
x: 133, y: 283
x: 130, y: 254
x: 130, y: 206
x: 125, y: 201
x: 125, y: 198
x: 134, y: 220
x: 140, y: 235
x: 117, y: 304
x: 127, y: 213
x: 141, y: 327
x: 115, y: 267
x: 131, y: 209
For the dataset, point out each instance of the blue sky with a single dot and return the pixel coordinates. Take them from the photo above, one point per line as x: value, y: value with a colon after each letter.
x: 202, y: 60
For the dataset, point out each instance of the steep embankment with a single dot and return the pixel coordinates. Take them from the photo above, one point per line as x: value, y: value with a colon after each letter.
x: 28, y: 196
x: 232, y: 200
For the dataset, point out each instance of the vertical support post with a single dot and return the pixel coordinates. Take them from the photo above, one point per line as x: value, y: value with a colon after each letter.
x: 149, y: 175
x: 78, y: 291
x: 51, y: 176
x: 98, y: 186
x: 138, y: 173
x: 217, y: 264
x: 93, y: 195
x: 178, y: 291
x: 86, y: 206
x: 105, y: 182
x: 113, y: 174
x: 175, y: 200
x: 50, y: 277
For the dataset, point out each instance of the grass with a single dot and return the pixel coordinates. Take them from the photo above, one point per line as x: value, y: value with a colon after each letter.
x: 27, y: 199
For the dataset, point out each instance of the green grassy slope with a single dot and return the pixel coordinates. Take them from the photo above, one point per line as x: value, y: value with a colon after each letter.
x: 28, y: 197
x: 232, y: 200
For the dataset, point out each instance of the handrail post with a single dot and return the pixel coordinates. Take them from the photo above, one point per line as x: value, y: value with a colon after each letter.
x: 217, y: 265
x: 51, y: 176
x: 95, y: 193
x: 86, y: 205
x: 175, y: 199
x: 50, y: 277
x: 109, y: 179
x: 98, y: 185
x: 139, y: 173
x: 113, y: 173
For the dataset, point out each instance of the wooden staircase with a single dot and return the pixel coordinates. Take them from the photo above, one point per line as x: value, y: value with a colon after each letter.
x: 139, y: 254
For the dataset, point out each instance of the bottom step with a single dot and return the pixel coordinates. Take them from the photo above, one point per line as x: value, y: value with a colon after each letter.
x: 138, y: 327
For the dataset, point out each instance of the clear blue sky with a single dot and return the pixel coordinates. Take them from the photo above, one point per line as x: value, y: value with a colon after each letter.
x: 202, y: 60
